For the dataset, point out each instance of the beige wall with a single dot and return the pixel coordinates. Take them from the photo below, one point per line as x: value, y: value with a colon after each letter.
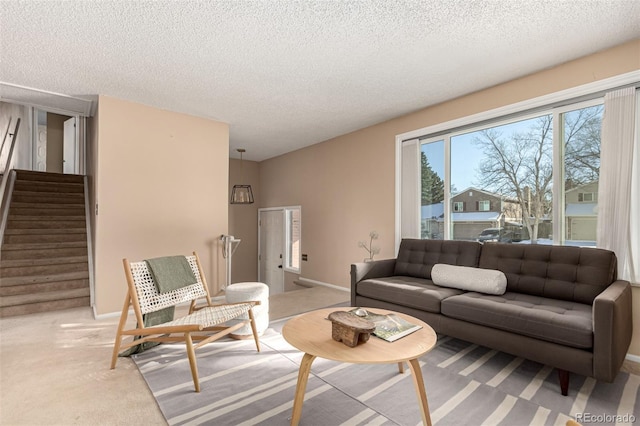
x: 346, y: 189
x: 346, y: 185
x: 161, y: 184
x: 243, y: 222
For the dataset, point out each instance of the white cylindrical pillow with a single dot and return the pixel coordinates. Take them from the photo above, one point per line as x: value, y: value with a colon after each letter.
x: 481, y: 280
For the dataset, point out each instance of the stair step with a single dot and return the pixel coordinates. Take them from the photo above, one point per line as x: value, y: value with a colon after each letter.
x: 44, y: 237
x: 54, y: 305
x: 29, y: 175
x: 45, y: 224
x: 48, y: 187
x: 42, y: 287
x: 49, y: 198
x: 39, y: 279
x: 44, y: 209
x: 4, y: 263
x: 42, y: 270
x: 54, y: 252
x: 41, y: 246
x: 45, y: 217
x: 32, y: 231
x: 46, y: 296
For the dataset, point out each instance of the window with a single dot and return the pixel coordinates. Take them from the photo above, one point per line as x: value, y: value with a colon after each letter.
x: 586, y: 197
x: 432, y: 189
x: 293, y: 237
x: 512, y: 162
x: 580, y: 147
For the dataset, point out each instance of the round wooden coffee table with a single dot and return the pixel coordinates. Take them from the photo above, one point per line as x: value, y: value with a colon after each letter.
x: 311, y: 334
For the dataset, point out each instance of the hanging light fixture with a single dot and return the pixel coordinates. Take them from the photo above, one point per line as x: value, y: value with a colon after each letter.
x: 241, y: 194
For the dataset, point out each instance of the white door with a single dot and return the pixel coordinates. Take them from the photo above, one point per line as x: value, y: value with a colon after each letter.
x: 271, y: 250
x: 70, y: 148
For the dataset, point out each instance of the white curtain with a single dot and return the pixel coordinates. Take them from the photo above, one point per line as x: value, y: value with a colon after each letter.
x: 410, y: 190
x: 618, y: 198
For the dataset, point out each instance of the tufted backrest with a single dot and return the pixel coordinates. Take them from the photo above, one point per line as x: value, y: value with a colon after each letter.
x: 558, y: 272
x: 417, y: 257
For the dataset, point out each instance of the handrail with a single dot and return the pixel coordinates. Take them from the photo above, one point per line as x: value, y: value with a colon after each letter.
x: 7, y: 167
x: 4, y: 139
x: 4, y: 208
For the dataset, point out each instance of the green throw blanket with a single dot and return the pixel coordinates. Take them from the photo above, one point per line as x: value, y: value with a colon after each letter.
x: 171, y: 273
x: 168, y: 273
x: 150, y: 319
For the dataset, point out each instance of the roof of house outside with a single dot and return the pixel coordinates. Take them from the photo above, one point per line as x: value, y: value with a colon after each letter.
x: 474, y: 217
x: 489, y: 193
x: 581, y: 209
x: 432, y: 211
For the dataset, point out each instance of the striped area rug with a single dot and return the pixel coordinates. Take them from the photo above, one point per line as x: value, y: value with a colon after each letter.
x: 466, y: 385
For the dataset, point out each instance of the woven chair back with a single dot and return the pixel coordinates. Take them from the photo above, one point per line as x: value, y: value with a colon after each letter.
x: 147, y: 291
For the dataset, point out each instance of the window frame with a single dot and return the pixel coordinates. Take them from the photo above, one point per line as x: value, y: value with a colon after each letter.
x: 486, y: 203
x: 555, y: 103
x: 289, y: 256
x: 582, y: 198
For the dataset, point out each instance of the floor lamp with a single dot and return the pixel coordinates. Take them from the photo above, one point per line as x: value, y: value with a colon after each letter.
x: 229, y: 246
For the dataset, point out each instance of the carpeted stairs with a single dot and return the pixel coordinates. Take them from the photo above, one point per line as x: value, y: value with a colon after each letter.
x: 44, y: 263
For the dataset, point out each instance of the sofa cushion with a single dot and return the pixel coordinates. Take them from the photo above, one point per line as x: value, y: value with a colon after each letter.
x: 557, y: 272
x: 412, y: 292
x: 557, y: 321
x: 417, y: 257
x: 472, y: 279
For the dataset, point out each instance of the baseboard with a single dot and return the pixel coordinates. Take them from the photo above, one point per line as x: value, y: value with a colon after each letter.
x: 633, y: 358
x: 306, y: 282
x: 108, y: 315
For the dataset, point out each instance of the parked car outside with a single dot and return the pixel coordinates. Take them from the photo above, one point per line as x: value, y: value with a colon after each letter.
x: 489, y: 234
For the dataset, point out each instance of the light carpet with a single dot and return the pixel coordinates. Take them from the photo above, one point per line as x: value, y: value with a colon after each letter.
x: 466, y: 384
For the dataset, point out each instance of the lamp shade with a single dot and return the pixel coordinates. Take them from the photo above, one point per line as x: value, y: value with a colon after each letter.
x: 241, y: 194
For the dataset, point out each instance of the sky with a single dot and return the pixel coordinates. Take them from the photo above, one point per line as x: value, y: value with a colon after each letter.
x: 465, y: 155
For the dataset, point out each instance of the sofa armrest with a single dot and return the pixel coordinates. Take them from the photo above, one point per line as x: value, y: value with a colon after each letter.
x: 367, y: 270
x: 612, y: 329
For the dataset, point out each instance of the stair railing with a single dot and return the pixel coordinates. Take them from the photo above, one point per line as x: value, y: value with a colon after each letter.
x: 4, y: 139
x: 4, y: 188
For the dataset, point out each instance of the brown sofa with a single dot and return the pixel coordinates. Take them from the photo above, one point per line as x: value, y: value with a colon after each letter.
x: 563, y: 306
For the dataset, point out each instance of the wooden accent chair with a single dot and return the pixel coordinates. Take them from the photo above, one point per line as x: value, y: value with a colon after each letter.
x: 198, y: 325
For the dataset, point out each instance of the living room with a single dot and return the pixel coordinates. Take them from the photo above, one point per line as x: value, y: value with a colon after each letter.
x: 346, y: 185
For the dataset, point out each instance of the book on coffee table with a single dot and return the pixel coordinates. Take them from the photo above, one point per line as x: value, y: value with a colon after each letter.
x: 389, y: 327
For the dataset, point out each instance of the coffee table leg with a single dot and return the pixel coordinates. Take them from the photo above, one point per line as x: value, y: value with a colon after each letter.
x: 422, y: 394
x: 303, y: 376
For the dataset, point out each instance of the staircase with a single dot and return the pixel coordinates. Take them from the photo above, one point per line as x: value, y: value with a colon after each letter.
x: 44, y: 264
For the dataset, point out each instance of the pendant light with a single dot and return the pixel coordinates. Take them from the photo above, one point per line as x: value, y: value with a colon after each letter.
x: 241, y: 194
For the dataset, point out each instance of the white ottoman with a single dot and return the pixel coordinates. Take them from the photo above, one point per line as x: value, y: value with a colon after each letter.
x: 243, y: 292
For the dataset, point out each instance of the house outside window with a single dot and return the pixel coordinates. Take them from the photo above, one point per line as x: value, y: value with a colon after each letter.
x: 484, y: 205
x: 458, y: 206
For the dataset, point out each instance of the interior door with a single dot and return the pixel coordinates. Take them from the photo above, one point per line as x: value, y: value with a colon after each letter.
x: 271, y: 250
x: 70, y: 147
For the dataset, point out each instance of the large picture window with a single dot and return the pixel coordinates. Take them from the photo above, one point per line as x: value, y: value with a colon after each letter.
x: 559, y: 169
x: 500, y: 180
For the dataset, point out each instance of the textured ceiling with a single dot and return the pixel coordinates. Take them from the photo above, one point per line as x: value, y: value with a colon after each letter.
x: 288, y: 74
